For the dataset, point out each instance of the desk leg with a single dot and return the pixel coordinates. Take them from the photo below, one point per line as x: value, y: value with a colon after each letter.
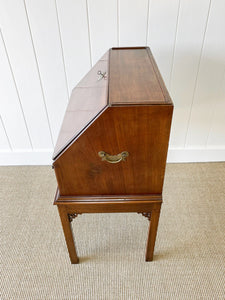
x: 152, y: 234
x: 66, y: 224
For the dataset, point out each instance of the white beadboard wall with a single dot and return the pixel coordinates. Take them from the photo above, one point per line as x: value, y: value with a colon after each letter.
x: 47, y: 46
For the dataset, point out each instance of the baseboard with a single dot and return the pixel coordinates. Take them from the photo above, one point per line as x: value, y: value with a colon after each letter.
x: 179, y: 155
x: 26, y: 157
x: 175, y: 155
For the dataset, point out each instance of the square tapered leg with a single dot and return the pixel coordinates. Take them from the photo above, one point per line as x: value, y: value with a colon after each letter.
x: 152, y: 234
x: 66, y: 224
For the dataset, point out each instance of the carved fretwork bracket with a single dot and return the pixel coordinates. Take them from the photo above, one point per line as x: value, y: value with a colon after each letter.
x: 72, y: 216
x: 146, y: 214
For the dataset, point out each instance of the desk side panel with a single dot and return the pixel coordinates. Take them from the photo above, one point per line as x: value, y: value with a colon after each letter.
x: 143, y: 131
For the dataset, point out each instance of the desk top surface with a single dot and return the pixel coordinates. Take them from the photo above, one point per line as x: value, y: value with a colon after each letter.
x: 133, y: 78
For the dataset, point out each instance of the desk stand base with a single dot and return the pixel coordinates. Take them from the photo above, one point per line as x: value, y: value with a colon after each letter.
x: 70, y: 207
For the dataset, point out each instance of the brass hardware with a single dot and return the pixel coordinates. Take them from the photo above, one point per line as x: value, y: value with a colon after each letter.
x: 113, y: 159
x: 102, y: 75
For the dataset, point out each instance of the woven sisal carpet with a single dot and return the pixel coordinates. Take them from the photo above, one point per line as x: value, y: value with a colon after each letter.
x: 189, y: 254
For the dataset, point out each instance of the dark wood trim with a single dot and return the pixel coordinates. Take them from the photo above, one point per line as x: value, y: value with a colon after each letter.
x: 141, y: 104
x: 105, y: 198
x: 110, y: 207
x: 127, y: 48
x: 105, y: 204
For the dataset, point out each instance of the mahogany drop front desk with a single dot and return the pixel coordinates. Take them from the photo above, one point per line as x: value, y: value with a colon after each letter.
x: 111, y: 152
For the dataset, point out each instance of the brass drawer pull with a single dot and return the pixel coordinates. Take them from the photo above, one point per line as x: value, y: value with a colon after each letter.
x: 113, y: 159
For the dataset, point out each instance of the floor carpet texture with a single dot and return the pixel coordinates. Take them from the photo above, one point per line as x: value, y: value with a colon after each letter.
x: 189, y: 260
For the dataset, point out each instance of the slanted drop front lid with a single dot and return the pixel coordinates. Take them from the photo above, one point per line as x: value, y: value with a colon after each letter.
x: 87, y: 100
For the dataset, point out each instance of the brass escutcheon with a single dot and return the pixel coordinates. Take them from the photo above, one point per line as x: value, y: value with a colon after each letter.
x: 113, y: 159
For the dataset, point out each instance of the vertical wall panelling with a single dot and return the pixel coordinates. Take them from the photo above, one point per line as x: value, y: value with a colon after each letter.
x: 4, y: 142
x: 211, y: 71
x: 216, y: 137
x: 190, y: 36
x: 47, y: 46
x: 45, y: 33
x: 75, y: 41
x: 162, y: 25
x: 10, y: 107
x: 118, y: 23
x: 19, y: 46
x: 133, y: 20
x: 103, y: 26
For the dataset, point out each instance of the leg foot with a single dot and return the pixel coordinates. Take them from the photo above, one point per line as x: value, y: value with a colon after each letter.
x: 66, y: 224
x: 152, y: 234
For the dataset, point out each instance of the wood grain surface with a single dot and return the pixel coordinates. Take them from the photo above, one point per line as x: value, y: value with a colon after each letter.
x: 133, y: 78
x: 137, y: 121
x: 143, y: 131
